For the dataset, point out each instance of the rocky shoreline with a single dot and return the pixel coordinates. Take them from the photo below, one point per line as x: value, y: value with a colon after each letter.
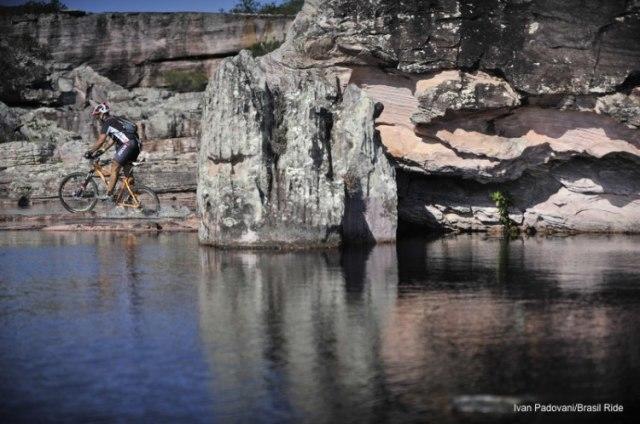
x: 58, y: 65
x: 524, y: 98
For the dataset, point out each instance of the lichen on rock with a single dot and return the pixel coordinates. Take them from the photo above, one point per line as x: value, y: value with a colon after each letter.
x: 530, y: 97
x: 290, y: 161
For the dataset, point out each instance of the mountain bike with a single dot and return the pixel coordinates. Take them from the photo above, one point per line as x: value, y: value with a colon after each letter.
x: 78, y: 191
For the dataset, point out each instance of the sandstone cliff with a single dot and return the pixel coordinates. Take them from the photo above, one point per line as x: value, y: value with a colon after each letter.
x: 137, y: 49
x: 538, y: 98
x: 56, y: 65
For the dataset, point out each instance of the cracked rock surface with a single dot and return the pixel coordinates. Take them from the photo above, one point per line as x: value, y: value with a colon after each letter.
x: 537, y: 98
x: 39, y: 145
x: 138, y: 49
x: 288, y: 159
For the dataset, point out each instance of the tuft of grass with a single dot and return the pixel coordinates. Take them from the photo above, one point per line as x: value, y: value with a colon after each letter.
x: 186, y: 81
x: 264, y: 47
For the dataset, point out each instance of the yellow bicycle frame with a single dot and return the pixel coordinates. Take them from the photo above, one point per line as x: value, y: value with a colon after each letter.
x: 127, y: 183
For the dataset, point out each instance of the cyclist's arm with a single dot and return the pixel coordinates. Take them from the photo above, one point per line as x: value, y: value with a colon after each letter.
x: 101, y: 139
x: 109, y: 144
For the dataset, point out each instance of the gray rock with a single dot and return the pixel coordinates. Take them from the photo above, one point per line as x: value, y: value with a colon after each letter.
x: 290, y: 161
x: 624, y: 108
x: 136, y: 49
x: 25, y: 67
x: 9, y: 124
x: 541, y: 47
x: 455, y: 90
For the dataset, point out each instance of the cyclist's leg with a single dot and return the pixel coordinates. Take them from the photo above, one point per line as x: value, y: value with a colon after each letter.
x: 113, y: 178
x: 126, y: 154
x: 127, y: 171
x: 132, y: 156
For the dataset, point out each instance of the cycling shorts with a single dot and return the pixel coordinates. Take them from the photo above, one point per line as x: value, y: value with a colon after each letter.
x: 127, y: 153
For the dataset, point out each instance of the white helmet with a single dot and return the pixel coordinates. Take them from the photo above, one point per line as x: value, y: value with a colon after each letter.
x: 101, y: 108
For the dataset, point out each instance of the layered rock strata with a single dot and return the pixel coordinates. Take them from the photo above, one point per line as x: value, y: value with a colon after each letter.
x: 40, y: 145
x: 288, y: 158
x: 55, y: 66
x: 136, y: 49
x: 536, y: 98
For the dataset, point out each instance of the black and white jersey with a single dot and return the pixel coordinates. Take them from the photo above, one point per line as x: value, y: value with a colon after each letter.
x: 121, y: 130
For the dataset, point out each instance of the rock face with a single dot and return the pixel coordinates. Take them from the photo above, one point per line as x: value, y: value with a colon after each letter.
x: 40, y: 145
x: 540, y: 46
x: 55, y: 66
x: 537, y: 98
x: 137, y: 49
x: 290, y: 160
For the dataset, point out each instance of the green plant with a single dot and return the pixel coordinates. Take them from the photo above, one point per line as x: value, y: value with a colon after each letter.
x: 186, y: 81
x: 503, y: 202
x: 264, y: 47
x: 246, y: 6
x: 290, y: 7
x: 287, y: 7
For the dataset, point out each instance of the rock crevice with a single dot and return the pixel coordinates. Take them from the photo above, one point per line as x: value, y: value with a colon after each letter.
x: 313, y: 173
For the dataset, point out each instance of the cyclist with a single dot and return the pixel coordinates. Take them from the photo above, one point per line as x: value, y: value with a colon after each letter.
x: 124, y: 134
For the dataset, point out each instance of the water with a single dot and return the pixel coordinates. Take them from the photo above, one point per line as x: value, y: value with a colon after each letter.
x: 130, y: 328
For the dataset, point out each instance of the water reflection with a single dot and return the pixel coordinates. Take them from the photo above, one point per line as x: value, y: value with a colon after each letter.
x: 135, y: 327
x: 298, y: 328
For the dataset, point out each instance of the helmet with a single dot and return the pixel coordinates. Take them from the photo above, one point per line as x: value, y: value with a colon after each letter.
x: 101, y: 108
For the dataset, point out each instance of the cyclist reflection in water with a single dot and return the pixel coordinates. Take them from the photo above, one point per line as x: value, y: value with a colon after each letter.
x: 124, y: 133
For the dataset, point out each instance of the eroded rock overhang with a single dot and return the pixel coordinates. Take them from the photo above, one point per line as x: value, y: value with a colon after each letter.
x: 569, y: 162
x: 538, y: 98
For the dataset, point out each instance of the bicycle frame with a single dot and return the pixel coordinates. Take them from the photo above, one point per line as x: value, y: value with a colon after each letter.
x: 127, y: 183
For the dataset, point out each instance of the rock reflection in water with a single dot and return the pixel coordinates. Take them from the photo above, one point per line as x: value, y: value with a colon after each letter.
x: 399, y: 332
x: 108, y: 327
x: 286, y: 336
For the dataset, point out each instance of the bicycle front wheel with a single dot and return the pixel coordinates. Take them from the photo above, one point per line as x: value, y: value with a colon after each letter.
x: 78, y: 192
x: 145, y: 200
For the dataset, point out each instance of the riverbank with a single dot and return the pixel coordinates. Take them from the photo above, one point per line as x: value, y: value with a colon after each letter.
x: 177, y: 215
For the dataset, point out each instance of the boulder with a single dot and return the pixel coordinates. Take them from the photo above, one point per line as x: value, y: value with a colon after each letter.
x: 290, y: 162
x: 450, y: 91
x: 9, y: 124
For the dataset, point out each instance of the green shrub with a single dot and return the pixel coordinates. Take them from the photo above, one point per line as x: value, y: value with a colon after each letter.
x: 186, y: 81
x: 287, y: 7
x: 290, y: 7
x: 503, y: 203
x: 264, y: 47
x: 34, y: 7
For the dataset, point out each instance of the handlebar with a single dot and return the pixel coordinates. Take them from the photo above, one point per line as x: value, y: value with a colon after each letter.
x: 95, y: 158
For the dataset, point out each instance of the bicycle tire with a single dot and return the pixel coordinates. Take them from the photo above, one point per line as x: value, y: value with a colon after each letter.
x: 93, y: 193
x: 151, y: 205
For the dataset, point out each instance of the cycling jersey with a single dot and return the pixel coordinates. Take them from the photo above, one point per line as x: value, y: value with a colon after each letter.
x: 121, y: 130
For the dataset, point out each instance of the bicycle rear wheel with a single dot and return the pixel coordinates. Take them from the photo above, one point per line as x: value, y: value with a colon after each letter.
x: 78, y: 192
x: 146, y: 200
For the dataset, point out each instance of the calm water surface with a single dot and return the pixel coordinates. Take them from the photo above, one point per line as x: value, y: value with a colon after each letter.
x: 131, y: 328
